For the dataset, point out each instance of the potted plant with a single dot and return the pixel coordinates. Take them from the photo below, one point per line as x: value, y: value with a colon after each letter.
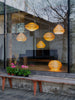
x: 20, y: 72
x: 13, y: 69
x: 26, y: 72
x: 8, y: 70
x: 16, y: 71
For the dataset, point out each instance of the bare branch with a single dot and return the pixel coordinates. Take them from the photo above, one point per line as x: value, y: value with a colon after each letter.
x: 55, y: 10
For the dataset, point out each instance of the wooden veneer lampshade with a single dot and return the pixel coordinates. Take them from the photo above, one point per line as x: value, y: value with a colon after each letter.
x: 49, y: 36
x: 59, y: 29
x: 32, y: 26
x: 55, y: 65
x: 21, y: 37
x: 40, y: 44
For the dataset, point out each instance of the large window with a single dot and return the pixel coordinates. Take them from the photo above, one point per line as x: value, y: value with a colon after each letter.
x: 1, y: 35
x: 37, y: 34
x: 72, y: 36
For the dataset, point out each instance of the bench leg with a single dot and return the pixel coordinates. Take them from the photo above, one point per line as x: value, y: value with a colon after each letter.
x: 35, y: 85
x: 40, y: 86
x: 10, y: 82
x: 3, y: 83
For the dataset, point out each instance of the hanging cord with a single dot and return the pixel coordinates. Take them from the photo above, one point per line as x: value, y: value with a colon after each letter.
x: 16, y: 24
x: 49, y: 27
x: 39, y: 32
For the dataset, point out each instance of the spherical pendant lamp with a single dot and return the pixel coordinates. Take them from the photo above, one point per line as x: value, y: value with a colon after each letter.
x: 59, y: 29
x: 32, y: 26
x: 49, y: 36
x: 55, y: 65
x: 41, y: 44
x: 21, y: 37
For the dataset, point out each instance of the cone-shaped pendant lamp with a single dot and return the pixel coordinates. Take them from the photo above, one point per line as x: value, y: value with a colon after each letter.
x: 55, y: 65
x: 40, y: 44
x: 59, y: 29
x: 49, y: 36
x: 21, y: 37
x: 32, y: 26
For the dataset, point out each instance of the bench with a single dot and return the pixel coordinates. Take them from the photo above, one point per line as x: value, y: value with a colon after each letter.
x: 37, y: 79
x: 10, y: 77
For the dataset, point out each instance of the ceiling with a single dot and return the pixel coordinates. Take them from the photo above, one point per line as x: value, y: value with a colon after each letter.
x: 8, y: 9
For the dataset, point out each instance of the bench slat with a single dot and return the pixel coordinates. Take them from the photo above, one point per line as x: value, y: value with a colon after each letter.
x: 43, y: 79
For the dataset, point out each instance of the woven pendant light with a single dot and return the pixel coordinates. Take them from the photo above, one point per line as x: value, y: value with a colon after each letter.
x: 40, y: 44
x: 59, y: 29
x: 49, y: 36
x: 55, y: 65
x: 21, y: 37
x: 32, y: 26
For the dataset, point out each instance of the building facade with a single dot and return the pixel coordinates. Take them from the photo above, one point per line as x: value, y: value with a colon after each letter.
x: 38, y: 34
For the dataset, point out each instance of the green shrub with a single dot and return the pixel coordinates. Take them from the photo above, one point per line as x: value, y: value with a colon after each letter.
x: 20, y: 73
x: 17, y: 71
x: 26, y: 72
x: 8, y: 70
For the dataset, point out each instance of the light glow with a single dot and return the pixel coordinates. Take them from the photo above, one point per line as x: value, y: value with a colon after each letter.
x: 32, y: 26
x: 59, y: 29
x: 55, y: 65
x: 49, y: 36
x: 21, y: 37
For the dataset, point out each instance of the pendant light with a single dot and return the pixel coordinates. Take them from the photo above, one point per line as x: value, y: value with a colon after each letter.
x: 41, y: 44
x: 21, y: 37
x: 49, y: 36
x: 59, y: 29
x: 32, y: 26
x: 55, y: 65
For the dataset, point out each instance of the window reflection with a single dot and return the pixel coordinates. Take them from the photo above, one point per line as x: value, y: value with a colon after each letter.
x: 1, y: 35
x: 46, y: 16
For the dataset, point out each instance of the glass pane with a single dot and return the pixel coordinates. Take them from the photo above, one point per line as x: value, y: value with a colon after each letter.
x: 72, y: 35
x: 37, y: 34
x: 1, y: 35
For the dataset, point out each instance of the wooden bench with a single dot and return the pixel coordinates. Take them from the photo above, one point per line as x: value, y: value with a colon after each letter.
x: 10, y: 77
x: 37, y: 79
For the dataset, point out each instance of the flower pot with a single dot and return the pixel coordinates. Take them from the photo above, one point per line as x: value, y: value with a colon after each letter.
x: 12, y: 74
x: 27, y: 76
x: 8, y: 73
x: 16, y: 74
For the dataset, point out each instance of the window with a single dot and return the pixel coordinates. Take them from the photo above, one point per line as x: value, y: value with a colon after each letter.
x: 1, y: 35
x: 72, y: 36
x: 37, y: 34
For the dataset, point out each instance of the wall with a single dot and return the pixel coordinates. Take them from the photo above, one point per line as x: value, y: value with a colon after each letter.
x: 16, y: 4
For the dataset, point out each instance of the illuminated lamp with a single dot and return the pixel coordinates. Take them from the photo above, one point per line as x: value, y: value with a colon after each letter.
x: 55, y: 65
x: 21, y: 37
x: 41, y: 44
x: 59, y: 29
x: 32, y: 26
x: 49, y: 36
